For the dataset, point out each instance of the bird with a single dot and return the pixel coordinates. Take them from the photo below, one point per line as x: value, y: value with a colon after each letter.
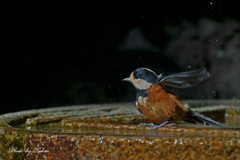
x: 159, y: 104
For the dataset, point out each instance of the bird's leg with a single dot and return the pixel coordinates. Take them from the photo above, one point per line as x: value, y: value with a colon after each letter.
x: 171, y: 124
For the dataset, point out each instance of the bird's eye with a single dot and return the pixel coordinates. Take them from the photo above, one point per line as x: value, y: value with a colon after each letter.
x: 136, y: 77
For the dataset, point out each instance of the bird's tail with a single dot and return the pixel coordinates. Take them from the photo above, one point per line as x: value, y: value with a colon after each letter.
x: 201, y: 118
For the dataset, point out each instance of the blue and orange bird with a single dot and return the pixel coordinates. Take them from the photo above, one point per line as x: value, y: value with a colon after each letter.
x: 160, y: 105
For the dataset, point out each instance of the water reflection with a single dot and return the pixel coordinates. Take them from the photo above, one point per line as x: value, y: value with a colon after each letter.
x: 57, y: 128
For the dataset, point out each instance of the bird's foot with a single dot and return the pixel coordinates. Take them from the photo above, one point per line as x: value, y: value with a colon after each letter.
x: 157, y: 126
x: 163, y: 124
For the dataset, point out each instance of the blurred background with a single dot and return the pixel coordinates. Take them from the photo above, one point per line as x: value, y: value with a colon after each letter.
x: 78, y: 54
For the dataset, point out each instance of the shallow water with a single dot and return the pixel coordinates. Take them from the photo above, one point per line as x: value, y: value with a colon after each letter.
x: 57, y: 128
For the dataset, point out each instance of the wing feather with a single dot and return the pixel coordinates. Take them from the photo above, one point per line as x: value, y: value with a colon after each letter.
x: 185, y: 79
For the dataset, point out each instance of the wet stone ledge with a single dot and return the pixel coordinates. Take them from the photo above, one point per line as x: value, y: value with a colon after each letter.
x: 111, y: 131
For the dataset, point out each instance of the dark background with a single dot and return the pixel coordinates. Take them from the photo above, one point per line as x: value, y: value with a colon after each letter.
x: 79, y: 53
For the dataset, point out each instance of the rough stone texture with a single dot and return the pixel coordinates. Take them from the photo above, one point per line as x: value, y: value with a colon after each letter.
x: 111, y: 131
x: 124, y: 147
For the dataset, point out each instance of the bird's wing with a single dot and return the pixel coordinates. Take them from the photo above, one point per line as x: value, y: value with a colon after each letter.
x: 185, y: 79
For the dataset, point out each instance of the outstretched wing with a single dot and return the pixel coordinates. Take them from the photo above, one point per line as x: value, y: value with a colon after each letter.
x: 185, y: 79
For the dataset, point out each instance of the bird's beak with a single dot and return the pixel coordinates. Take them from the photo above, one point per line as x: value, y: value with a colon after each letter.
x: 126, y: 80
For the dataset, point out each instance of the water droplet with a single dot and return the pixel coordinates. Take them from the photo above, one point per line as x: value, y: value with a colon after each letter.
x: 175, y: 141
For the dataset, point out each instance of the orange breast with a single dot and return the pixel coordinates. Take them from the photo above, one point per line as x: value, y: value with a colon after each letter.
x: 160, y: 105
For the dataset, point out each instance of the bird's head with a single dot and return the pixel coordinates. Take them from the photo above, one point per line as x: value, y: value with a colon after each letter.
x: 142, y: 78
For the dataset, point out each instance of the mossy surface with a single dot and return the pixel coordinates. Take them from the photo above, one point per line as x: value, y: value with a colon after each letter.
x: 12, y: 143
x: 112, y: 131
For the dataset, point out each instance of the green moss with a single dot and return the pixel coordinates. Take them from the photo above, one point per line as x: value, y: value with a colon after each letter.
x: 12, y: 144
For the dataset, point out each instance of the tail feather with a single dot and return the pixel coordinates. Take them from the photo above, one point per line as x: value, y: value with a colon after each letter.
x: 202, y: 119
